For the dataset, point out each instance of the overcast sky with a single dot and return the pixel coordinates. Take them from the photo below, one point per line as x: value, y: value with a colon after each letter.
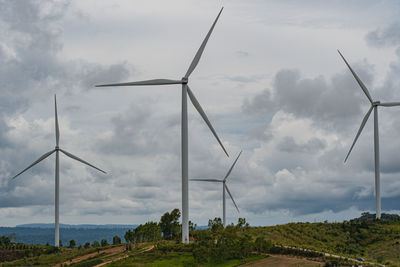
x: 270, y: 80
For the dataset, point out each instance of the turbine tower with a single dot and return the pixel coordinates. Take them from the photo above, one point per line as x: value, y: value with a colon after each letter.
x: 57, y: 149
x: 224, y: 186
x: 184, y: 130
x: 374, y: 106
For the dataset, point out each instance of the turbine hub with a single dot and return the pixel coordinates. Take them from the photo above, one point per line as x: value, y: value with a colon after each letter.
x: 57, y: 148
x: 185, y: 80
x: 376, y: 103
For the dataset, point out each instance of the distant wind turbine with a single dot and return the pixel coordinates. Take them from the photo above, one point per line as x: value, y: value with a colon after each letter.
x: 224, y: 186
x: 57, y: 183
x: 374, y: 106
x: 184, y: 130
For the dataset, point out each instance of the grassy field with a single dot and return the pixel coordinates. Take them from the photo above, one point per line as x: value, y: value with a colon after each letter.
x: 179, y: 259
x: 282, y: 261
x: 377, y: 241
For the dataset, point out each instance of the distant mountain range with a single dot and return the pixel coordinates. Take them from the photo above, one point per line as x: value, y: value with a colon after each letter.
x: 43, y: 233
x: 79, y: 226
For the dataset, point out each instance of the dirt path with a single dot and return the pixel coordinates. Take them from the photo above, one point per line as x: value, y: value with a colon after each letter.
x: 108, y: 251
x: 282, y: 261
x: 124, y: 256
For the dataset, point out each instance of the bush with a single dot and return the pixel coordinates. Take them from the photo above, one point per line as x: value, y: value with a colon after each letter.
x: 116, y: 240
x: 201, y: 254
x: 96, y: 244
x: 165, y: 246
x: 104, y: 242
x: 261, y: 245
x: 72, y: 243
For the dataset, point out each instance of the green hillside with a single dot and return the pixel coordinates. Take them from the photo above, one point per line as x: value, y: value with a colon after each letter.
x: 375, y: 240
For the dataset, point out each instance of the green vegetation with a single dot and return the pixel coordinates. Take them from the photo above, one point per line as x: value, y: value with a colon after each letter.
x: 155, y: 259
x: 116, y: 240
x: 374, y: 240
x: 158, y: 244
x: 150, y: 231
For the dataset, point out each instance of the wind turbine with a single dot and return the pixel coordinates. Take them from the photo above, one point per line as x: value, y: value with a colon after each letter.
x: 374, y: 106
x: 57, y: 149
x: 184, y: 130
x: 224, y: 186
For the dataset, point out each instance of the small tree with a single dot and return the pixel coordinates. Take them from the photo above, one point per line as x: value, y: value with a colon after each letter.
x: 104, y: 242
x: 169, y: 224
x: 72, y: 243
x: 242, y: 224
x: 128, y: 236
x: 87, y: 245
x: 116, y: 240
x: 216, y: 225
x: 96, y: 244
x: 261, y: 245
x: 192, y: 226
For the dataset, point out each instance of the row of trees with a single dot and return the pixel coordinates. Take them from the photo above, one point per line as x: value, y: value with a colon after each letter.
x: 96, y: 244
x: 168, y: 228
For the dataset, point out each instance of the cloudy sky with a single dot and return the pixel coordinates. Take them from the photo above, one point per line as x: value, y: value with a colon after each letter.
x: 270, y: 80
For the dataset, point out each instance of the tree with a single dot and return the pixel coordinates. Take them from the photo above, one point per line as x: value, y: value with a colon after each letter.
x: 242, y: 224
x: 261, y: 245
x: 128, y: 236
x: 192, y: 226
x: 87, y: 245
x: 116, y: 240
x: 96, y: 244
x: 4, y: 241
x: 169, y: 224
x: 104, y: 242
x: 216, y: 225
x: 72, y: 243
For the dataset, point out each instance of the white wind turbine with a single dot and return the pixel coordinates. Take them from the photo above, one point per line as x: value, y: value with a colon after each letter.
x: 224, y: 186
x: 374, y: 106
x: 184, y: 130
x: 57, y: 177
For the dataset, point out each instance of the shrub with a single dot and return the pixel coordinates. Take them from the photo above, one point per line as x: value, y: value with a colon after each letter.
x: 96, y: 244
x: 104, y: 242
x: 261, y: 245
x: 116, y: 240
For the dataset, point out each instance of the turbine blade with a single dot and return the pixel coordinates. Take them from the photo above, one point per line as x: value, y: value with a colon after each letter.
x: 358, y: 79
x: 81, y: 160
x: 389, y: 104
x: 56, y: 120
x: 233, y: 165
x: 197, y: 57
x: 226, y: 187
x: 148, y: 82
x: 36, y: 162
x: 196, y: 104
x: 364, y: 121
x: 207, y: 180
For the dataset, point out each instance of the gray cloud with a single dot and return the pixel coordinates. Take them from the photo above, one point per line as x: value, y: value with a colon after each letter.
x: 288, y: 144
x: 330, y: 105
x: 32, y: 70
x: 388, y: 36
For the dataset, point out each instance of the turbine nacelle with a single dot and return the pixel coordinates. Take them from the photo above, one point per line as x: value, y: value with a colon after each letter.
x: 376, y: 103
x: 185, y: 80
